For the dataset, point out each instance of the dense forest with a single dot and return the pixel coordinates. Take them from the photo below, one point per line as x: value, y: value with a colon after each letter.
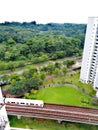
x: 39, y: 42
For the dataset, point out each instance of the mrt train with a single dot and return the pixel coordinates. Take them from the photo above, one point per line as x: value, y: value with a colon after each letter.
x: 20, y: 101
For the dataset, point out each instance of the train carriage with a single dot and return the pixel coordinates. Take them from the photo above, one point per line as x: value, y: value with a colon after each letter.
x: 20, y: 101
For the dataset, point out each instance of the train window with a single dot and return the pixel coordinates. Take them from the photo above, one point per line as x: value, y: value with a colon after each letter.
x: 31, y: 104
x: 22, y: 103
x: 12, y: 102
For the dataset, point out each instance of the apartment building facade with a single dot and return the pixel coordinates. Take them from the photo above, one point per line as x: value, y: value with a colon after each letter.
x: 4, y: 123
x: 90, y: 54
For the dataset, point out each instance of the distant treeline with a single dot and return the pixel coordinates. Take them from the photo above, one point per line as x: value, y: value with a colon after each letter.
x: 40, y: 42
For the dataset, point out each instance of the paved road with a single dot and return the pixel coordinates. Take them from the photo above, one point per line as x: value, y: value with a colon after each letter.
x: 78, y: 63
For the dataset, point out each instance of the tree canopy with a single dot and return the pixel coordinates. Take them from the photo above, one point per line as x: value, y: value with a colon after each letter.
x: 39, y: 42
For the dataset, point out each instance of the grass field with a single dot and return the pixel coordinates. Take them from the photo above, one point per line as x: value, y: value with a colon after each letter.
x: 74, y: 79
x: 64, y: 95
x: 71, y: 79
x: 42, y: 124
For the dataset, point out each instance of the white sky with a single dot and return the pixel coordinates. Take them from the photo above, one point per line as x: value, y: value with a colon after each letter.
x: 45, y: 11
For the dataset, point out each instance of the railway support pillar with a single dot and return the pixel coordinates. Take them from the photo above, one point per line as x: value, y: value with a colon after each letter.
x: 59, y: 121
x: 18, y: 117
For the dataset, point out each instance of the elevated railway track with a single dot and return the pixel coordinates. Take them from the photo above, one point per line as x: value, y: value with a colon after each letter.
x: 56, y: 112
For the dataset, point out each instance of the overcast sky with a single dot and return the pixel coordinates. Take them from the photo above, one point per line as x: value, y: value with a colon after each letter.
x: 45, y: 11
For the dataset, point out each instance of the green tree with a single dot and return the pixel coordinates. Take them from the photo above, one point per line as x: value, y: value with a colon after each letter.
x: 69, y: 63
x: 15, y: 77
x: 10, y: 66
x: 64, y: 70
x: 22, y: 87
x: 50, y: 68
x: 26, y: 74
x: 11, y: 41
x: 42, y: 76
x: 26, y: 95
x: 2, y: 51
x: 56, y: 71
x: 32, y: 70
x: 57, y: 65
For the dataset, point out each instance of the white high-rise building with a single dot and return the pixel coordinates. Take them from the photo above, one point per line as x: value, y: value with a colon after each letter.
x: 90, y: 54
x: 4, y: 123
